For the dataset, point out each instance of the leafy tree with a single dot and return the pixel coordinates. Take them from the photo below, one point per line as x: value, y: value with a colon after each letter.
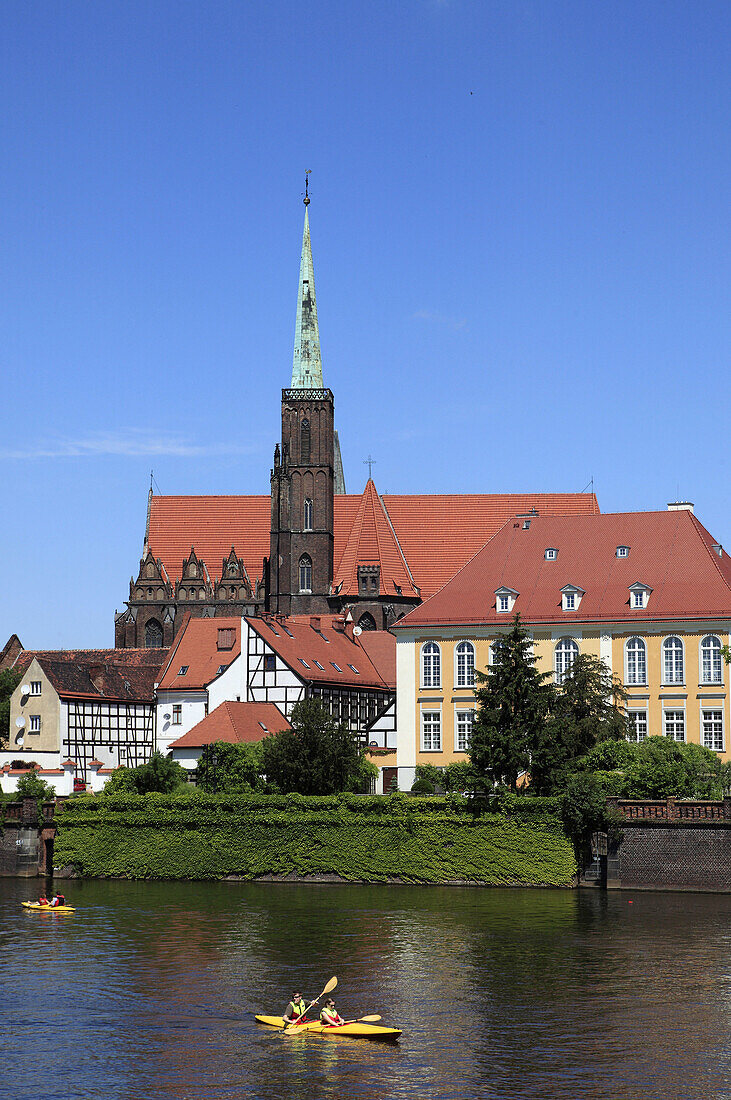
x: 513, y: 704
x: 587, y: 707
x: 230, y: 767
x: 32, y: 786
x: 9, y: 680
x: 159, y: 775
x: 584, y: 811
x: 608, y: 756
x: 664, y: 768
x: 317, y: 756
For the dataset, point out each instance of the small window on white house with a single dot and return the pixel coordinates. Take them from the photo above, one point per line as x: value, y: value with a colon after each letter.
x: 35, y: 687
x: 35, y: 723
x: 550, y: 553
x: 177, y: 714
x: 270, y: 662
x: 622, y: 551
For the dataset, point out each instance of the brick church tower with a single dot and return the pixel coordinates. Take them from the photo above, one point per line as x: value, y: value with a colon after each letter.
x: 307, y: 468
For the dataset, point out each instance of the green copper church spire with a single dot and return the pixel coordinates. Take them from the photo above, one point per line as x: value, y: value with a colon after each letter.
x: 307, y: 360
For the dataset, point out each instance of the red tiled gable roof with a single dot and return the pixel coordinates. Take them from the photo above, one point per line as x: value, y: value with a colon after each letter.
x: 234, y: 723
x: 372, y: 541
x: 197, y: 648
x: 120, y: 674
x: 670, y: 552
x: 374, y: 660
x: 435, y: 535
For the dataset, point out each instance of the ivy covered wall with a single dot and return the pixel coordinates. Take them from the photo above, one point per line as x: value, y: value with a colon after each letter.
x: 372, y: 839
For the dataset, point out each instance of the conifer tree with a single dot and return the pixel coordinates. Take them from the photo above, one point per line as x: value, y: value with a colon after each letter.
x: 513, y: 703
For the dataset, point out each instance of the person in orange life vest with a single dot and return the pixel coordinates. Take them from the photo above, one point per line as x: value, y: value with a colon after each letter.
x: 329, y: 1015
x: 296, y: 1009
x: 43, y: 900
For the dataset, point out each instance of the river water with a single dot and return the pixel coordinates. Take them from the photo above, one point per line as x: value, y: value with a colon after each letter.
x: 149, y: 989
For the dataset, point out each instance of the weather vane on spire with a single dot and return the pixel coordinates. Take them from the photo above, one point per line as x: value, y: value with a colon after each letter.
x: 306, y: 199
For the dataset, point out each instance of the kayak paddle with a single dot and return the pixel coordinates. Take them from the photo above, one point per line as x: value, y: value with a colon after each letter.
x: 365, y: 1020
x: 328, y: 989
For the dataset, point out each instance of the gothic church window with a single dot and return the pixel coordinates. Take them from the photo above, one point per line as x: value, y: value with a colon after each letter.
x: 307, y: 524
x: 305, y: 441
x: 305, y: 571
x: 153, y: 634
x: 367, y: 622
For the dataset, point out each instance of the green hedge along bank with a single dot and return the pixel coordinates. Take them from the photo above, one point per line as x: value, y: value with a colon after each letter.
x: 348, y: 837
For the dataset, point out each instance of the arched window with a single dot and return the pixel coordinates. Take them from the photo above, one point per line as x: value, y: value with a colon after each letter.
x: 465, y: 665
x: 305, y: 573
x: 153, y: 634
x: 636, y: 661
x: 672, y: 661
x: 431, y: 665
x: 367, y: 622
x: 305, y: 441
x: 564, y: 655
x: 307, y: 518
x: 711, y: 660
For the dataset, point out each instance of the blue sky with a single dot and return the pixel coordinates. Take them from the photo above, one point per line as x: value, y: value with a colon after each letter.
x: 521, y: 241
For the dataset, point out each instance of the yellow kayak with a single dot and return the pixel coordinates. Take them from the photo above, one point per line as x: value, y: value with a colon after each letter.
x: 357, y: 1030
x: 38, y: 908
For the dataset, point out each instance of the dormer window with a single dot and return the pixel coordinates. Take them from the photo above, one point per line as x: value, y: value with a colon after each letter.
x: 622, y: 551
x: 639, y: 596
x: 550, y: 553
x: 571, y: 596
x: 505, y: 599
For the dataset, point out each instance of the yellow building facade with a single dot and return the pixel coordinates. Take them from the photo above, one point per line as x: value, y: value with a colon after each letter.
x: 673, y: 668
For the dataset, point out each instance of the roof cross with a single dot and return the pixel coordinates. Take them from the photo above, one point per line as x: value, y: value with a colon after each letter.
x: 370, y: 463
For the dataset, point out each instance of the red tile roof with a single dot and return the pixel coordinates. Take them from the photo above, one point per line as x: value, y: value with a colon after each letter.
x: 234, y: 723
x: 435, y: 535
x: 295, y: 639
x: 120, y: 674
x: 671, y: 552
x: 372, y: 541
x: 196, y: 649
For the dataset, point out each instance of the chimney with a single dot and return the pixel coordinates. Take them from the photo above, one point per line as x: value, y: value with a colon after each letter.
x: 339, y: 625
x: 96, y: 675
x: 316, y: 622
x: 680, y: 506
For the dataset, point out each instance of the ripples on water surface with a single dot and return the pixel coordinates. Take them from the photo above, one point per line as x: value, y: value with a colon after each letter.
x: 148, y: 990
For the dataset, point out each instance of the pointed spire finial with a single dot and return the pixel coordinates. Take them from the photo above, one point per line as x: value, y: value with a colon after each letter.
x: 307, y: 361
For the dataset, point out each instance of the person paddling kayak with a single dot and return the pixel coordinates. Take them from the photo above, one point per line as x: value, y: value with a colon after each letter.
x: 296, y: 1009
x: 329, y: 1016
